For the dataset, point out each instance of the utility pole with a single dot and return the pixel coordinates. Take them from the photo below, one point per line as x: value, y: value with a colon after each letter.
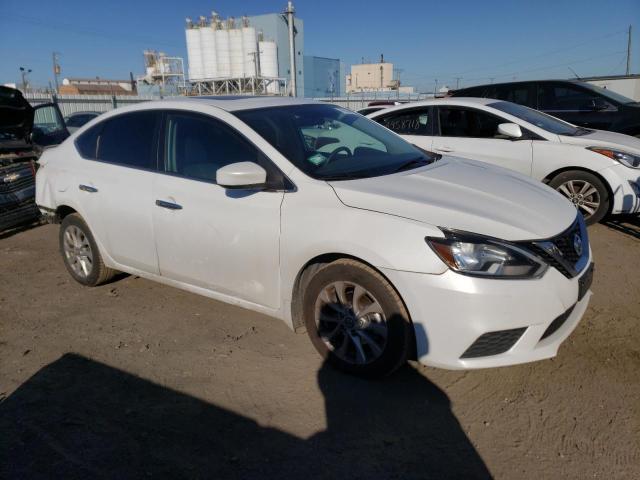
x: 629, y: 52
x: 458, y: 82
x: 56, y: 68
x: 292, y: 48
x: 24, y: 72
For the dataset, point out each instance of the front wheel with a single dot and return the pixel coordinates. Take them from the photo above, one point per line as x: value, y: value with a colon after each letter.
x: 355, y: 319
x: 586, y: 191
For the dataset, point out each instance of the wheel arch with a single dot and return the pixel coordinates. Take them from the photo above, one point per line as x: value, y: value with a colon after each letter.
x: 296, y: 297
x: 604, y: 181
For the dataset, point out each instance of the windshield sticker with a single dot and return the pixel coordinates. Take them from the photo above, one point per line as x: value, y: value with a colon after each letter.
x: 316, y: 159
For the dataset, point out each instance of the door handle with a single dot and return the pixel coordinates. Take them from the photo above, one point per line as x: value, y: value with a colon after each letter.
x: 87, y: 188
x: 168, y: 205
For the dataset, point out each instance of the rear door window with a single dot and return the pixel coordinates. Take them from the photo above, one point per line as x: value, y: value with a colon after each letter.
x: 87, y: 143
x: 130, y: 139
x: 412, y: 122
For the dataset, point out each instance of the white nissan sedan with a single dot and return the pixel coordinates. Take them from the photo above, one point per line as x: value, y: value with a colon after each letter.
x: 598, y: 171
x: 321, y: 217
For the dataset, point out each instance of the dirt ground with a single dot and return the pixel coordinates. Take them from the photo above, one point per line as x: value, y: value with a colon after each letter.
x: 134, y: 379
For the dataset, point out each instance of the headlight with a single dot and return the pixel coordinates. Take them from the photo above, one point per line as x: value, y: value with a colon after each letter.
x: 628, y: 159
x: 480, y: 256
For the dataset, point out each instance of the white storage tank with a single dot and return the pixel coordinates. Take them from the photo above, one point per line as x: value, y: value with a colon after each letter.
x: 269, y: 63
x: 222, y: 52
x: 194, y: 51
x: 209, y: 54
x: 250, y: 47
x: 236, y: 53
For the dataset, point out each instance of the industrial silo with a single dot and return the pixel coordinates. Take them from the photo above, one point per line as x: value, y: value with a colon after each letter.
x: 250, y: 48
x: 194, y: 51
x: 222, y: 51
x: 236, y: 53
x: 269, y: 63
x: 209, y: 54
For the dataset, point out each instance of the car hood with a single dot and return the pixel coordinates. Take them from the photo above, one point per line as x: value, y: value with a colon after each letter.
x: 608, y: 139
x: 464, y: 195
x: 16, y: 115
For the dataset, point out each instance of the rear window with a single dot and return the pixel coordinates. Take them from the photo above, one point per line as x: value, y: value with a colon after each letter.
x: 129, y: 139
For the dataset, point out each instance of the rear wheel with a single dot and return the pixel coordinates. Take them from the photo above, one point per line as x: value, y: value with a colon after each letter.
x: 80, y: 253
x: 586, y: 191
x: 355, y: 318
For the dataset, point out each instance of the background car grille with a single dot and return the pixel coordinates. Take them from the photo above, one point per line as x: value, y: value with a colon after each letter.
x: 493, y: 343
x: 24, y: 180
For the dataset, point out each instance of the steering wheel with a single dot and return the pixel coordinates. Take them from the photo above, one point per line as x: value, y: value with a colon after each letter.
x: 333, y: 154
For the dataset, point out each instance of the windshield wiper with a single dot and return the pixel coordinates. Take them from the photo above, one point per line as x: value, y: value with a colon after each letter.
x: 415, y: 163
x: 581, y: 131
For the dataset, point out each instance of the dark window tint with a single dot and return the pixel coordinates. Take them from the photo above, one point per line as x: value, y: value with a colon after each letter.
x: 559, y: 97
x: 470, y: 92
x: 129, y: 139
x: 79, y: 120
x: 468, y: 122
x: 522, y: 94
x: 88, y: 141
x: 412, y: 122
x: 197, y: 146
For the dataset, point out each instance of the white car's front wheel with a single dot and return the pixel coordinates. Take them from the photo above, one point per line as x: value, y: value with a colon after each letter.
x: 586, y: 191
x: 355, y: 318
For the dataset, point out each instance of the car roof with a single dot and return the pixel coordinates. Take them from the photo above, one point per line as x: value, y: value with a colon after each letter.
x: 518, y: 82
x: 232, y: 103
x: 460, y: 101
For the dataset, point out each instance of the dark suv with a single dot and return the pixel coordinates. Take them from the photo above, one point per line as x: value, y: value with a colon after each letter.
x: 576, y: 102
x: 24, y: 132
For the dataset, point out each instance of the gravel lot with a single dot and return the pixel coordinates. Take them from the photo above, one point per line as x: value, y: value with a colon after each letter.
x: 135, y: 379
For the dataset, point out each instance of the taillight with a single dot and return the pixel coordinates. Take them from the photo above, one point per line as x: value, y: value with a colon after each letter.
x: 34, y: 168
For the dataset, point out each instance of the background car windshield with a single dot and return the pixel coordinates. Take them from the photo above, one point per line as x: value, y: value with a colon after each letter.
x: 330, y: 143
x: 534, y: 117
x: 616, y: 97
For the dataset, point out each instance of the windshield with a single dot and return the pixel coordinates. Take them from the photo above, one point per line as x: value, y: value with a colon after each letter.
x: 539, y: 119
x: 330, y: 143
x: 616, y: 97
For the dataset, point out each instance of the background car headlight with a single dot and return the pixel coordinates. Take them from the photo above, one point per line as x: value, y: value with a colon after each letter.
x: 628, y: 159
x: 481, y: 256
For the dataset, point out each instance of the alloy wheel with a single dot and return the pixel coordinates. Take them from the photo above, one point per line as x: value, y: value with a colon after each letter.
x: 584, y: 196
x: 77, y: 251
x: 351, y: 322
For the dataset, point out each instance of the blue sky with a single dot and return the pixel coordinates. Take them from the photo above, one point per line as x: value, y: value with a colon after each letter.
x: 428, y: 40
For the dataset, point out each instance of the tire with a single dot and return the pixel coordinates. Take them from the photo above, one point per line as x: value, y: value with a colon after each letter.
x: 371, y: 340
x: 80, y: 252
x: 586, y: 191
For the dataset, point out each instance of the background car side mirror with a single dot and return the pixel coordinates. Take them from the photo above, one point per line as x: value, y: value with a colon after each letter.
x: 241, y: 175
x: 510, y: 130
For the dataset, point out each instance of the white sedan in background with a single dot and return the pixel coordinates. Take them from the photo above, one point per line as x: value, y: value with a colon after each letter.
x: 598, y: 171
x: 321, y: 217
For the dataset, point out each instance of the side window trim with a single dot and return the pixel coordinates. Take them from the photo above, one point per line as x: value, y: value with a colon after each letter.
x: 283, y: 182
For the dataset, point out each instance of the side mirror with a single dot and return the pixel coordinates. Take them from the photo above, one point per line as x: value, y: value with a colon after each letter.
x: 510, y: 130
x: 241, y: 175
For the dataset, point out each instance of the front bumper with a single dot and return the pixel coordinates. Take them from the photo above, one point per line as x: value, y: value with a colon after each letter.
x: 450, y: 312
x: 625, y: 185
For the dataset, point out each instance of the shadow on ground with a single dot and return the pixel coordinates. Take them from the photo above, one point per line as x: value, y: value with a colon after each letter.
x: 80, y: 419
x: 627, y: 224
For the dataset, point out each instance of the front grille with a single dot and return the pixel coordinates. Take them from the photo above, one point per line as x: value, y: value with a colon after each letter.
x: 24, y: 178
x: 556, y: 324
x: 493, y: 343
x: 560, y: 252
